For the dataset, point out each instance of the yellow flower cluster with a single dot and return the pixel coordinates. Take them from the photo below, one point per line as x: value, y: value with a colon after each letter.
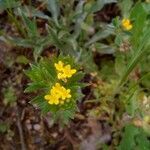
x: 126, y: 23
x: 58, y: 95
x: 64, y: 71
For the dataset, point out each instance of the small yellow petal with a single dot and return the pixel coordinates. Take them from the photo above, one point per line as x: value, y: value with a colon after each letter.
x: 63, y: 97
x: 57, y: 85
x: 129, y: 27
x: 68, y: 96
x: 68, y: 90
x: 73, y: 71
x: 69, y: 75
x: 126, y: 24
x: 61, y: 76
x: 50, y: 102
x: 61, y: 102
x: 56, y: 102
x: 59, y: 66
x: 47, y: 97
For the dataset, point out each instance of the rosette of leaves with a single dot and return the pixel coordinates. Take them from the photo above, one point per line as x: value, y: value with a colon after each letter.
x: 43, y: 77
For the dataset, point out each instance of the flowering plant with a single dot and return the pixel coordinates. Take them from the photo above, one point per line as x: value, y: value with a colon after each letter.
x: 126, y: 23
x: 57, y: 82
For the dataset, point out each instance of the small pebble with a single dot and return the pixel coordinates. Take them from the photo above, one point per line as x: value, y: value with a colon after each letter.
x: 28, y: 121
x: 29, y: 126
x: 80, y: 116
x: 37, y: 127
x: 54, y: 135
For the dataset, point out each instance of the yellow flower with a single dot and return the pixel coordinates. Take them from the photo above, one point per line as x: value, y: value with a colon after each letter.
x: 66, y: 94
x: 58, y: 95
x: 126, y: 23
x: 59, y: 66
x: 68, y: 71
x: 52, y: 99
x: 64, y: 71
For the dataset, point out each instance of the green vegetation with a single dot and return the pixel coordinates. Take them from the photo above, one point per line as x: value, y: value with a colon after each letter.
x: 76, y: 60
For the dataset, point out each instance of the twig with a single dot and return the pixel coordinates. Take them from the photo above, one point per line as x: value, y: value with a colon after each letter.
x: 23, y: 147
x: 41, y: 5
x: 69, y: 137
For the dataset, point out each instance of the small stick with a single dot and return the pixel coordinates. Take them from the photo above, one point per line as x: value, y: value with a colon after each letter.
x: 23, y: 147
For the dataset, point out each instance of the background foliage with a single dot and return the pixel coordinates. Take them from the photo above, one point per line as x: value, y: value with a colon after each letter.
x: 115, y: 63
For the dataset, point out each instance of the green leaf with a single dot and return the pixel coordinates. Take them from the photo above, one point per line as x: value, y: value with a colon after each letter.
x: 99, y: 36
x: 30, y: 12
x: 79, y: 17
x: 127, y: 142
x: 43, y: 71
x: 44, y: 105
x: 40, y: 102
x: 5, y: 4
x: 21, y: 42
x: 36, y: 86
x: 103, y: 48
x: 37, y: 51
x: 126, y: 6
x: 99, y: 4
x: 147, y: 7
x: 22, y: 60
x: 53, y: 7
x: 120, y: 64
x: 54, y: 36
x: 139, y: 22
x: 134, y: 138
x: 142, y: 142
x: 143, y: 47
x: 66, y: 114
x: 9, y: 95
x: 34, y: 74
x: 86, y: 60
x: 132, y: 103
x: 48, y: 69
x: 146, y: 80
x: 30, y: 25
x: 75, y: 79
x: 3, y: 127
